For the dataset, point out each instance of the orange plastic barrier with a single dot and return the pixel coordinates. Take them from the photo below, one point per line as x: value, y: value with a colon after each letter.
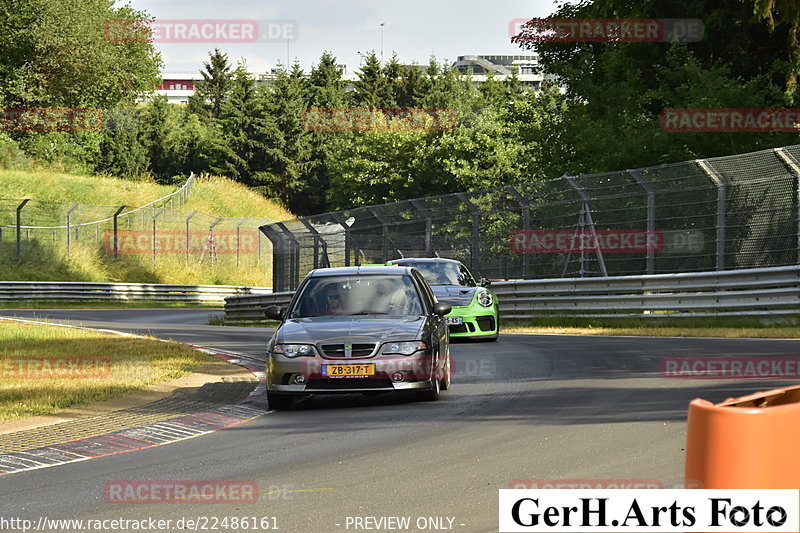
x: 751, y: 442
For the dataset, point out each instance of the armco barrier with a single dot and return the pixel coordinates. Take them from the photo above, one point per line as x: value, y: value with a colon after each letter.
x: 761, y: 291
x: 745, y: 443
x: 751, y: 292
x: 251, y: 308
x: 80, y: 291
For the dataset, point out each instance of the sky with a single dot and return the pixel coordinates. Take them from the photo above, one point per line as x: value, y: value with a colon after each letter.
x: 415, y: 29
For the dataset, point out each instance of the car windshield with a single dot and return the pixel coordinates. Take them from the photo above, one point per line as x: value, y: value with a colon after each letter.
x: 443, y: 273
x: 357, y: 295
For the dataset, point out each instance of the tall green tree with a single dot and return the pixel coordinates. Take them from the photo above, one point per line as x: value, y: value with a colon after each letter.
x: 159, y: 128
x: 372, y: 89
x: 246, y: 131
x: 777, y: 12
x: 122, y: 152
x: 325, y: 89
x: 66, y: 53
x: 289, y: 156
x: 213, y: 89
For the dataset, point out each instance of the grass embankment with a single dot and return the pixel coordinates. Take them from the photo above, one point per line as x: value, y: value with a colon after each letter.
x: 44, y: 256
x: 726, y: 327
x: 36, y: 379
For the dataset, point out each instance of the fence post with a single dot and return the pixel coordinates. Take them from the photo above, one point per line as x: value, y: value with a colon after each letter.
x: 587, y: 212
x: 384, y: 233
x: 294, y: 265
x: 278, y: 263
x: 19, y: 226
x: 722, y: 192
x: 794, y: 166
x: 417, y: 203
x: 193, y: 213
x: 213, y: 253
x: 156, y: 213
x: 238, y: 238
x: 319, y: 242
x: 475, y: 251
x: 116, y: 238
x: 69, y: 214
x: 651, y: 217
x: 339, y: 218
x: 526, y: 225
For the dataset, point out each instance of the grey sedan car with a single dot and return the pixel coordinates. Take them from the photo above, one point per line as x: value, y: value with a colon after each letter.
x: 359, y: 330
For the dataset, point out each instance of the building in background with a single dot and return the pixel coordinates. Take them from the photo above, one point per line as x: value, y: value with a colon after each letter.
x: 525, y: 66
x: 178, y: 87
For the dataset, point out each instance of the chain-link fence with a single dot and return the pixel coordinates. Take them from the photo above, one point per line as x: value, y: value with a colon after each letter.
x: 724, y: 213
x: 159, y: 234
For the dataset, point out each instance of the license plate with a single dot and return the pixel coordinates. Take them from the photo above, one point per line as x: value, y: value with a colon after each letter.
x: 348, y: 371
x: 453, y: 320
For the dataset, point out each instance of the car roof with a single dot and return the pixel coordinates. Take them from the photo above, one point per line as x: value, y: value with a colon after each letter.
x: 424, y: 260
x: 360, y: 271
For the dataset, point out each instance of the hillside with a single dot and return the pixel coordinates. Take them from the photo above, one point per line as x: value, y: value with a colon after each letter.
x: 210, y: 194
x: 44, y: 252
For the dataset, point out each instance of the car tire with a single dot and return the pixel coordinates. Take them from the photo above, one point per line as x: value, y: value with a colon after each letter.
x: 445, y: 381
x: 279, y: 401
x: 431, y: 395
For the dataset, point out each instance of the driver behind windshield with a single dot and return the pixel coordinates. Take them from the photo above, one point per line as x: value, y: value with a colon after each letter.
x: 333, y: 301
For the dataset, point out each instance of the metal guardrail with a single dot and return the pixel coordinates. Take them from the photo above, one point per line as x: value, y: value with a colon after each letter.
x: 80, y: 291
x: 749, y: 292
x: 251, y: 308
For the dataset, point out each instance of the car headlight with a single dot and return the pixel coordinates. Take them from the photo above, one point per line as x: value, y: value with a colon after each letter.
x: 403, y: 348
x: 485, y: 298
x: 294, y: 350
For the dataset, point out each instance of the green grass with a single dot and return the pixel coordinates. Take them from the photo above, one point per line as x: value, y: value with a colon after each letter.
x: 44, y: 256
x: 134, y: 365
x: 210, y: 194
x: 727, y: 327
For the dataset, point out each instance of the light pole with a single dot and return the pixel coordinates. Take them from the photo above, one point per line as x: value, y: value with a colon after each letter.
x: 382, y: 25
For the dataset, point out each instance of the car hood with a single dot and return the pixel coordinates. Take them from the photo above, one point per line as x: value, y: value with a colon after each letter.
x: 455, y: 295
x: 314, y: 330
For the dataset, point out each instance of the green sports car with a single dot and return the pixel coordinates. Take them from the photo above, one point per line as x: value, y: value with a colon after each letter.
x: 475, y: 312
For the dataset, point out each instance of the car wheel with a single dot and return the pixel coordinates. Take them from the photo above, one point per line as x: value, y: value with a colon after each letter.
x: 445, y: 381
x: 277, y: 401
x: 430, y: 395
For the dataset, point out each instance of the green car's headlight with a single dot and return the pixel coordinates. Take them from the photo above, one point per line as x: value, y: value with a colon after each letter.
x: 485, y: 298
x: 294, y: 350
x: 403, y: 348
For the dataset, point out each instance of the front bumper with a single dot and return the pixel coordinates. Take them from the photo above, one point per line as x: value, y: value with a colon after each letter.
x: 417, y: 370
x: 476, y: 322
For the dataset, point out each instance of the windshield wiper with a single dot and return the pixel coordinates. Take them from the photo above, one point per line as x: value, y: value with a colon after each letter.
x: 368, y: 313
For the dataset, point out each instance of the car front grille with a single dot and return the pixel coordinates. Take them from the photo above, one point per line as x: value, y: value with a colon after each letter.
x: 349, y: 383
x: 486, y: 323
x: 337, y: 350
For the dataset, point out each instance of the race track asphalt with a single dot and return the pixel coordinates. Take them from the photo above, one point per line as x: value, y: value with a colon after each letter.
x: 527, y: 407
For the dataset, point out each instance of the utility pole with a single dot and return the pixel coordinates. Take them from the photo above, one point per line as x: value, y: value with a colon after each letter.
x: 382, y: 25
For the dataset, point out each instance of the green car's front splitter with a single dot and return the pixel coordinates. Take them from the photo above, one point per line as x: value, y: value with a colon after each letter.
x: 477, y: 322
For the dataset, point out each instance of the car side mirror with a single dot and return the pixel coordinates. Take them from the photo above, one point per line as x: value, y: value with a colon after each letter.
x: 274, y: 312
x: 441, y: 309
x: 485, y: 282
